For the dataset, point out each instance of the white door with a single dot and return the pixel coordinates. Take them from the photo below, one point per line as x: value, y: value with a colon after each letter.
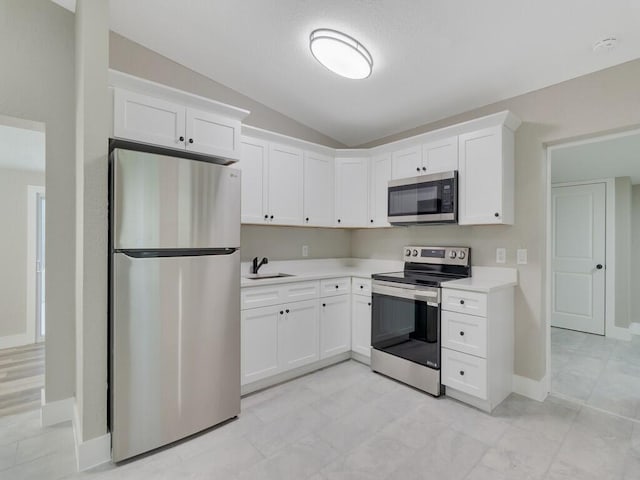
x: 578, y: 257
x: 361, y: 324
x: 285, y: 182
x: 148, y: 119
x: 378, y: 188
x: 352, y: 192
x: 440, y: 156
x: 253, y: 163
x: 212, y: 134
x: 259, y: 327
x: 318, y: 189
x: 298, y: 334
x: 407, y: 163
x: 335, y: 325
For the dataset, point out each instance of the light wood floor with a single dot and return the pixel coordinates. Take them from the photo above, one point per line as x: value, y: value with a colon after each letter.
x: 21, y: 378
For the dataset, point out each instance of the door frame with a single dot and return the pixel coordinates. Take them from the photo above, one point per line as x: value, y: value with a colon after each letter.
x: 33, y: 191
x: 611, y: 331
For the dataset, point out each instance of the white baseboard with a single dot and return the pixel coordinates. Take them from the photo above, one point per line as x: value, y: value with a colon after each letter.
x: 56, y: 412
x: 634, y: 328
x: 11, y: 341
x: 618, y: 333
x: 93, y: 452
x: 534, y: 389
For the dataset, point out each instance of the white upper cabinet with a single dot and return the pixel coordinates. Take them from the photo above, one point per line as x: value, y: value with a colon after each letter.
x: 407, y: 163
x: 352, y: 192
x: 285, y: 180
x: 254, y: 164
x: 440, y: 156
x: 212, y: 134
x: 378, y: 190
x: 148, y: 120
x: 318, y: 189
x: 170, y: 124
x: 486, y: 177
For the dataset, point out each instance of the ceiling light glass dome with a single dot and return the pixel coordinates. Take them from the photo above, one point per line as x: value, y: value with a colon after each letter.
x: 341, y: 53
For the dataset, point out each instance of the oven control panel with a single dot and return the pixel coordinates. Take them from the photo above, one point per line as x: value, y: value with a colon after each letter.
x: 437, y: 255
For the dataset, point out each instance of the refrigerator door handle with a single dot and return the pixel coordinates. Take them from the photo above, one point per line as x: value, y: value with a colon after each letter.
x: 175, y: 252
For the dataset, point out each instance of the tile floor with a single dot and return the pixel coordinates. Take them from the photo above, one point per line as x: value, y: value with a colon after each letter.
x: 21, y: 378
x: 596, y: 370
x: 346, y: 422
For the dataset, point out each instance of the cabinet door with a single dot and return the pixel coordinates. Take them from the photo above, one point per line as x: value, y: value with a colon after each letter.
x: 335, y: 325
x: 147, y: 119
x: 259, y: 343
x: 480, y: 180
x: 440, y: 156
x: 361, y: 324
x: 212, y: 134
x: 378, y: 190
x: 318, y: 189
x: 407, y: 163
x: 253, y: 163
x: 285, y: 184
x: 352, y: 192
x: 298, y: 334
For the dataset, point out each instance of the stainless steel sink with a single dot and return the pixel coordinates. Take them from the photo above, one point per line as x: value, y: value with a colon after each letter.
x: 261, y: 276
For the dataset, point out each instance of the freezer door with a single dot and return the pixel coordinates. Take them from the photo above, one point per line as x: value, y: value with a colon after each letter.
x: 169, y: 202
x: 175, y: 348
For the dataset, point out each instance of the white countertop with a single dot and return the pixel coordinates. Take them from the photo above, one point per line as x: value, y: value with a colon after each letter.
x: 483, y: 279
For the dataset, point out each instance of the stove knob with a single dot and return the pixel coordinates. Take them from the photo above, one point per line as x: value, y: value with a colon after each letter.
x: 415, y: 253
x: 461, y: 254
x: 407, y: 253
x: 452, y: 254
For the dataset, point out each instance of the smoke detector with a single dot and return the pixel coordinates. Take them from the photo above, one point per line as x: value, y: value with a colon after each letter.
x: 606, y: 44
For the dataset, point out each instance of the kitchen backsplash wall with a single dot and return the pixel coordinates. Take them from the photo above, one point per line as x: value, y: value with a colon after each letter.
x: 285, y: 243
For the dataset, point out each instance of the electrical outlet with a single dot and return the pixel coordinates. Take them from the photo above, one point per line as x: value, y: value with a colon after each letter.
x: 521, y: 256
x: 305, y: 250
x: 501, y: 255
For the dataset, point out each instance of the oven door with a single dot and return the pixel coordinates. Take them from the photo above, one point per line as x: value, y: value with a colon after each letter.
x: 424, y: 199
x: 405, y: 322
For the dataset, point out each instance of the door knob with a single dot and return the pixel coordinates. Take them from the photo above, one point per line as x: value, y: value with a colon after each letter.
x: 599, y: 266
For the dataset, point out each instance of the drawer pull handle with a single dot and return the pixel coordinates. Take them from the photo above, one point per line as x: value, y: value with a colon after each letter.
x: 462, y: 373
x: 461, y: 302
x: 462, y: 334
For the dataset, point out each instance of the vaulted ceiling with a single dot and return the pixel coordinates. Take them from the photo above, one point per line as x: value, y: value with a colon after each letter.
x: 432, y: 59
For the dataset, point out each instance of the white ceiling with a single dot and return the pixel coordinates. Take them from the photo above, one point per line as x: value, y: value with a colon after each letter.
x: 615, y: 157
x: 432, y: 59
x: 22, y: 149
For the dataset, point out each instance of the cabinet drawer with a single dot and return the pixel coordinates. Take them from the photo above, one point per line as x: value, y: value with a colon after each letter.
x: 465, y: 373
x: 361, y: 286
x: 335, y: 286
x: 254, y: 297
x: 298, y: 291
x: 472, y: 303
x: 464, y: 333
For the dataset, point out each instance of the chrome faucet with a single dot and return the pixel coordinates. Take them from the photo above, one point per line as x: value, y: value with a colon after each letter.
x: 256, y: 266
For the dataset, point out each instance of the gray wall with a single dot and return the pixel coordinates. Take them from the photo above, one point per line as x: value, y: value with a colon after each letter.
x: 129, y: 57
x: 600, y: 102
x: 37, y: 83
x: 623, y: 250
x: 635, y: 255
x: 13, y: 248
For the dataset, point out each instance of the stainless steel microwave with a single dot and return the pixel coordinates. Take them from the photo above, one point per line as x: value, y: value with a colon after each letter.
x: 424, y: 199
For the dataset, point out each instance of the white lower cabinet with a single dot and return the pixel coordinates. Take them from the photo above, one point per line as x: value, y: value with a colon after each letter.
x: 259, y: 334
x: 335, y: 325
x: 361, y: 324
x: 477, y: 346
x: 298, y: 334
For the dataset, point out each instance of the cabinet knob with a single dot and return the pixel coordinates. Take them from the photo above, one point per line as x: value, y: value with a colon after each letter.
x: 369, y: 303
x: 337, y: 286
x: 461, y: 302
x: 182, y: 139
x: 462, y: 334
x: 281, y: 312
x: 361, y: 286
x: 496, y: 214
x: 324, y: 304
x: 271, y: 217
x: 266, y: 217
x: 338, y: 220
x: 418, y: 169
x: 424, y: 169
x: 462, y: 373
x: 191, y: 140
x: 287, y: 310
x: 371, y: 220
x: 306, y: 219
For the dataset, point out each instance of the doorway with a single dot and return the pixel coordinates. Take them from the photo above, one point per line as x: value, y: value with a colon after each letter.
x: 40, y: 265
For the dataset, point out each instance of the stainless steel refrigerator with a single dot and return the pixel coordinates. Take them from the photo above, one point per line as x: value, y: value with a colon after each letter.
x: 174, y: 298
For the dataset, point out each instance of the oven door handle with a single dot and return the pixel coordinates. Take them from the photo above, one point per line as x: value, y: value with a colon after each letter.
x: 431, y: 297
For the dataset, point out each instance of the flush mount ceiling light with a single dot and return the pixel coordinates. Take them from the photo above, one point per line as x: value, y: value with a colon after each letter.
x: 341, y: 53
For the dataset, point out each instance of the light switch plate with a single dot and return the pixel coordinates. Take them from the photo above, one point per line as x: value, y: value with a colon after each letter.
x: 305, y: 250
x: 521, y: 256
x: 501, y: 255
